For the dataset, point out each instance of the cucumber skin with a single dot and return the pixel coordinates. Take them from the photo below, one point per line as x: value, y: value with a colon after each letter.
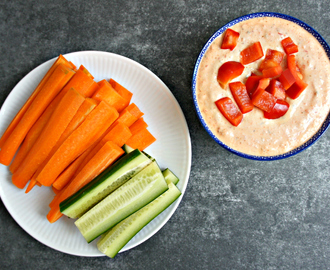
x: 66, y: 204
x: 169, y: 175
x: 137, y: 221
x: 121, y: 214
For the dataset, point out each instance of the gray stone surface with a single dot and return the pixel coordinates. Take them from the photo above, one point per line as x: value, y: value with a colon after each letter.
x: 236, y: 213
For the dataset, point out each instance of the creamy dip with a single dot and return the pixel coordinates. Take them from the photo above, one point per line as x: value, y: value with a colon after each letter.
x: 256, y: 135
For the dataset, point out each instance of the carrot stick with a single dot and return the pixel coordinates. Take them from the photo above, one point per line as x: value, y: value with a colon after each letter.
x: 54, y: 84
x: 79, y: 140
x: 134, y: 110
x: 19, y: 115
x: 108, y: 94
x: 141, y: 140
x: 55, y: 190
x: 52, y: 132
x: 31, y: 185
x: 121, y: 90
x: 69, y: 172
x: 108, y: 154
x: 82, y: 81
x: 138, y: 125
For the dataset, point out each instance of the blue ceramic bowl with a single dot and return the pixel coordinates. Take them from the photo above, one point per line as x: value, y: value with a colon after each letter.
x: 218, y: 33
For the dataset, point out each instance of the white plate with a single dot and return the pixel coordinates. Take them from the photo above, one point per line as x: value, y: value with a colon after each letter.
x: 166, y: 122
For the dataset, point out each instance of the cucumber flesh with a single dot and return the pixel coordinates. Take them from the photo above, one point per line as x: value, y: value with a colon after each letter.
x: 116, y: 238
x: 169, y: 175
x: 124, y: 201
x: 113, y: 177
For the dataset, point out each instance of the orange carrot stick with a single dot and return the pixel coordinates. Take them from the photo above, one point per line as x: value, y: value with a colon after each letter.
x: 19, y: 115
x: 108, y: 94
x: 121, y: 90
x: 138, y: 125
x: 141, y: 140
x: 69, y: 172
x: 54, y: 84
x: 134, y: 110
x: 52, y: 132
x: 82, y: 82
x: 31, y: 185
x: 108, y: 154
x: 79, y: 140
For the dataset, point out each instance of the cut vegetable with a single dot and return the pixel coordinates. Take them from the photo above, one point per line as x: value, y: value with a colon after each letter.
x: 228, y: 109
x: 141, y: 140
x: 58, y: 122
x: 115, y: 239
x: 241, y: 96
x: 144, y: 187
x: 263, y: 100
x: 170, y: 176
x: 289, y: 46
x: 108, y: 154
x: 230, y: 39
x: 79, y: 140
x: 299, y: 85
x: 121, y: 90
x: 20, y: 114
x: 229, y: 71
x: 100, y: 187
x: 251, y: 53
x: 50, y: 89
x: 280, y: 109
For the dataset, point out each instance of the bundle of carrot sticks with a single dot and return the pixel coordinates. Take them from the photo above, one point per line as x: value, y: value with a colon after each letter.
x: 69, y: 131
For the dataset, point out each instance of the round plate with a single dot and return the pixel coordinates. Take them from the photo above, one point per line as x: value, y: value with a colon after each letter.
x: 206, y: 46
x: 166, y: 122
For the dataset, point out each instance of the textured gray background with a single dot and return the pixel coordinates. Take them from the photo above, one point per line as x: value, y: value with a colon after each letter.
x: 236, y: 213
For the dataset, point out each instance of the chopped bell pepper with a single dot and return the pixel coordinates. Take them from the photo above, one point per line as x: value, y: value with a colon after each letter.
x: 229, y: 71
x: 263, y: 100
x: 279, y: 109
x: 241, y: 96
x: 228, y: 109
x: 299, y: 85
x: 287, y: 79
x: 251, y: 84
x: 252, y: 53
x: 230, y: 39
x: 289, y: 46
x: 272, y: 72
x: 276, y: 89
x: 273, y: 58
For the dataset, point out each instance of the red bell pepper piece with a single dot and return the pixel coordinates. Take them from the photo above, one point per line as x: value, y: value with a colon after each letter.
x: 289, y: 46
x: 228, y: 109
x: 252, y: 53
x: 276, y: 89
x: 287, y: 79
x: 274, y: 55
x: 229, y: 71
x: 279, y: 109
x: 272, y: 72
x: 299, y: 85
x: 230, y: 39
x: 263, y: 100
x: 241, y: 96
x: 273, y: 58
x: 251, y: 84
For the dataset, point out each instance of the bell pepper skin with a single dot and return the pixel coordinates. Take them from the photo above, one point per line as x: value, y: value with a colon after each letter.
x: 228, y: 109
x: 251, y: 53
x: 263, y: 100
x: 241, y: 97
x: 289, y: 46
x: 229, y: 71
x: 272, y: 72
x: 276, y: 89
x: 251, y: 84
x: 230, y: 39
x: 274, y: 55
x: 279, y: 109
x: 287, y: 79
x: 299, y: 85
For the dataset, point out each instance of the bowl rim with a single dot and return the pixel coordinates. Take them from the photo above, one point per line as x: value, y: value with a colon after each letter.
x: 302, y: 24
